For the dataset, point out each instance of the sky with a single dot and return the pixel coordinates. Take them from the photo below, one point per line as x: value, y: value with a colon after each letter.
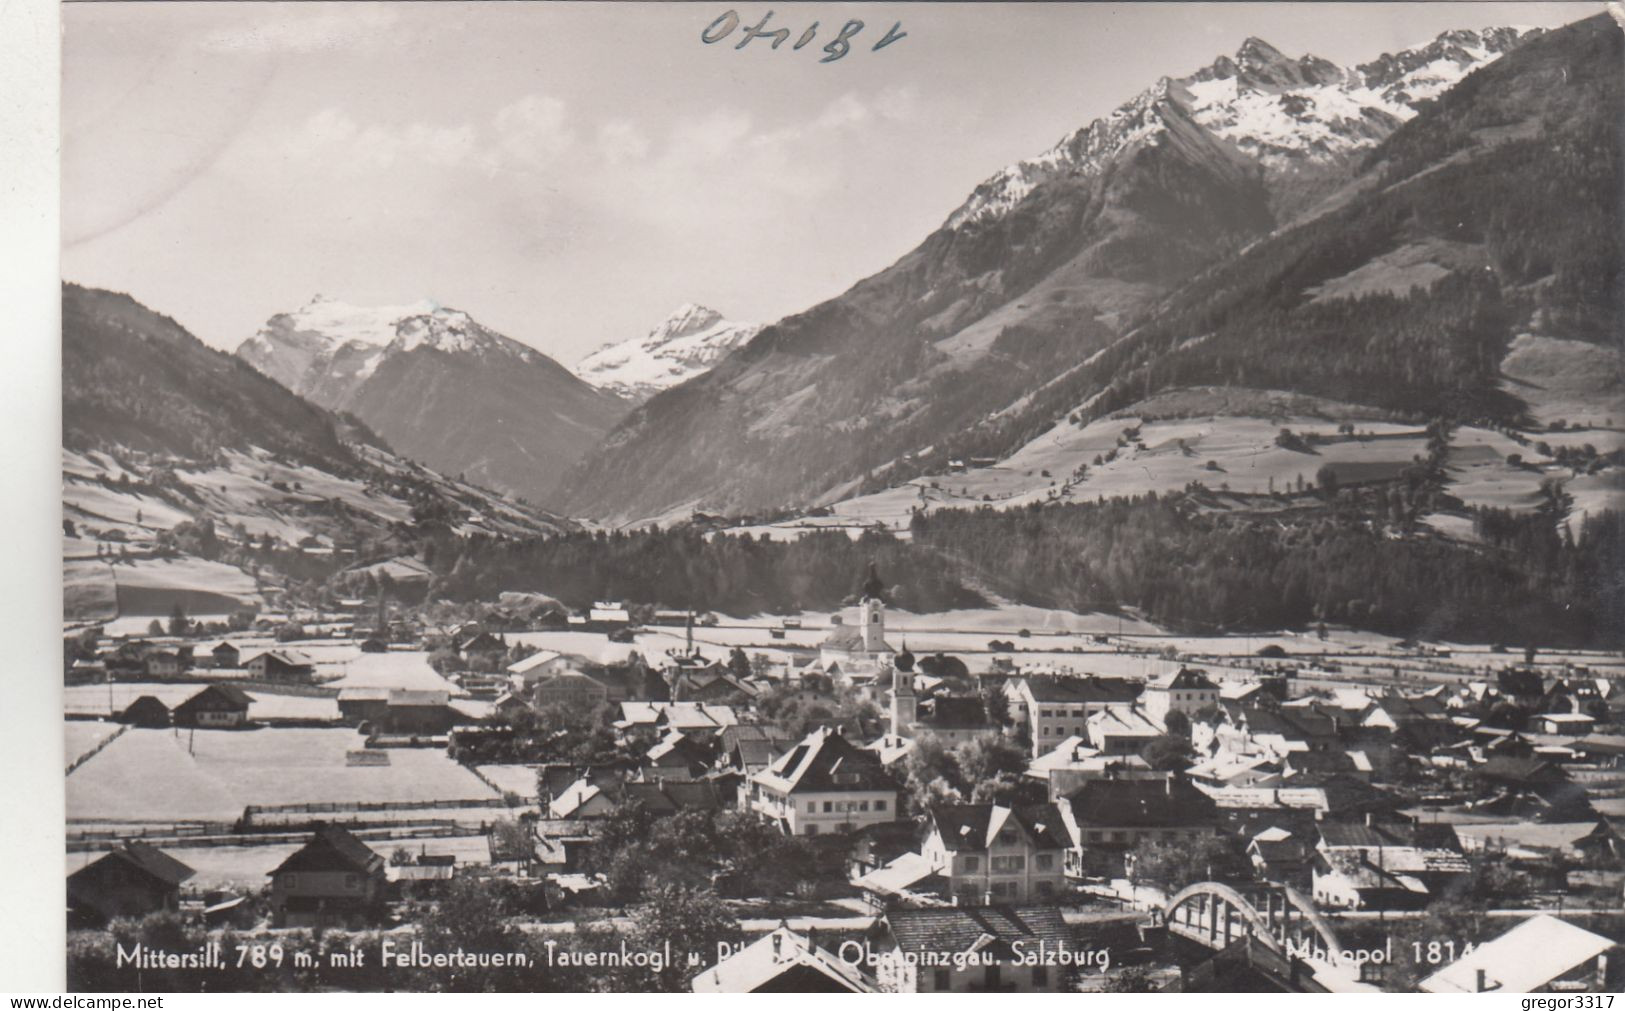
x: 569, y: 173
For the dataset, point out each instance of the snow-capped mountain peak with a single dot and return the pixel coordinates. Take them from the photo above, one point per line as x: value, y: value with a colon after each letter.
x: 686, y: 343
x: 326, y: 348
x: 326, y: 331
x: 1282, y: 112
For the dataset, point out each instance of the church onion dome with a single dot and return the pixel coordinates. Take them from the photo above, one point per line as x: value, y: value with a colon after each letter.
x: 904, y: 660
x: 873, y: 588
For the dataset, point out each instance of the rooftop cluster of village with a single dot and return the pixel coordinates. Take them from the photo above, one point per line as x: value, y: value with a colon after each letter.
x: 839, y: 812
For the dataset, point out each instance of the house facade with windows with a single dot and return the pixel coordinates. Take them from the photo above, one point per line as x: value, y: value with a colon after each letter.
x: 823, y: 784
x: 997, y: 854
x: 1054, y: 708
x: 570, y: 688
x: 281, y: 665
x: 1189, y: 692
x: 333, y: 880
x: 1107, y: 818
x: 970, y: 950
x: 215, y: 707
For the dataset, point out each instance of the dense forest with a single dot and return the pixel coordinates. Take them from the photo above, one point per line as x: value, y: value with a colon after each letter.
x: 736, y: 574
x: 1356, y: 556
x: 1199, y: 570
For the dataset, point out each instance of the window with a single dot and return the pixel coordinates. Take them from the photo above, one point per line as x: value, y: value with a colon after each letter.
x: 863, y: 805
x: 828, y: 807
x: 973, y: 863
x: 812, y: 829
x: 1007, y: 837
x: 812, y: 807
x: 939, y: 979
x: 880, y: 805
x: 1007, y: 864
x: 1046, y: 861
x: 1119, y: 837
x: 1046, y: 888
x: 1094, y: 837
x: 1046, y: 713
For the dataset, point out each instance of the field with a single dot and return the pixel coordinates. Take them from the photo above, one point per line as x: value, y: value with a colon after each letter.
x: 105, y: 700
x: 1225, y: 438
x: 150, y: 587
x: 518, y: 779
x: 220, y: 867
x: 80, y: 737
x: 174, y: 775
x: 1572, y: 381
x: 1184, y: 436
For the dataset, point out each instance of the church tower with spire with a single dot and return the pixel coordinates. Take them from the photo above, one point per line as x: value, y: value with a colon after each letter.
x: 872, y: 613
x: 904, y: 705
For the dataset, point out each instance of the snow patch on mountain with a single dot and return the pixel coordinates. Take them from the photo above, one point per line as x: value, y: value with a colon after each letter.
x: 327, y: 347
x: 1279, y: 111
x: 688, y: 342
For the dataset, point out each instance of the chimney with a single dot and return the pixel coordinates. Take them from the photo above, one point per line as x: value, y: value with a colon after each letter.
x: 778, y: 942
x: 812, y: 938
x: 1479, y: 983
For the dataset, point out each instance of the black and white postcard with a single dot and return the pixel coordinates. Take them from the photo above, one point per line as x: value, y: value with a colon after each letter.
x: 840, y: 497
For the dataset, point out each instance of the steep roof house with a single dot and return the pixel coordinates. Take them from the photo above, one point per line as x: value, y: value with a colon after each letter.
x: 997, y: 854
x: 333, y: 880
x: 281, y: 665
x: 1543, y: 954
x: 133, y: 880
x: 145, y: 711
x: 824, y: 783
x: 1108, y: 817
x: 1374, y: 864
x: 217, y: 706
x: 965, y: 949
x: 783, y: 961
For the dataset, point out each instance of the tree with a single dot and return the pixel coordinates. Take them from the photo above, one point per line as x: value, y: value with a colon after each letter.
x: 1172, y: 865
x: 155, y: 627
x: 471, y: 914
x: 290, y: 631
x: 1326, y: 480
x: 995, y: 701
x: 930, y: 774
x: 1169, y: 753
x: 178, y: 625
x: 739, y: 663
x: 692, y: 922
x: 1178, y: 724
x: 986, y: 757
x: 1134, y: 979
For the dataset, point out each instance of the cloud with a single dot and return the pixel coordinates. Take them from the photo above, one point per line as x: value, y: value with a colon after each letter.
x: 721, y: 166
x: 295, y: 31
x: 620, y: 141
x: 530, y: 132
x: 332, y: 142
